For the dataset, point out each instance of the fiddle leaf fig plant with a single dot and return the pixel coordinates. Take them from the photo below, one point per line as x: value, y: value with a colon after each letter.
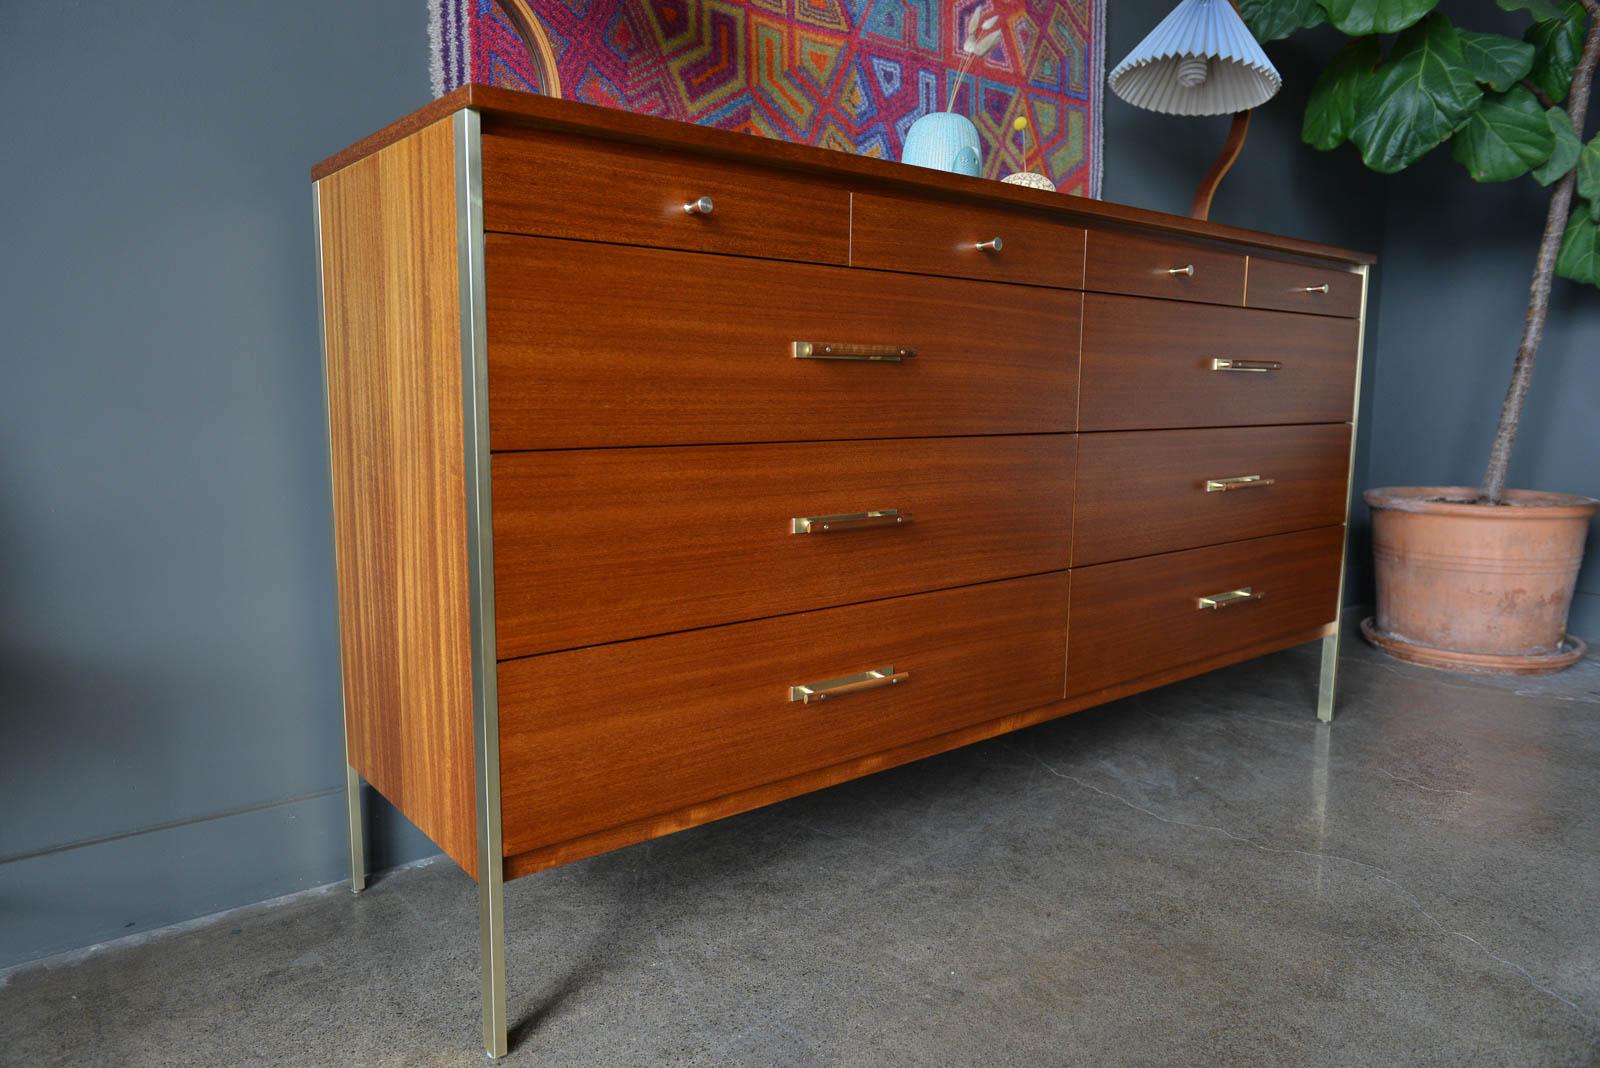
x: 1410, y: 80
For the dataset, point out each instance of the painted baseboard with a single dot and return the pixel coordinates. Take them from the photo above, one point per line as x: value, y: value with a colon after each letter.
x: 81, y: 895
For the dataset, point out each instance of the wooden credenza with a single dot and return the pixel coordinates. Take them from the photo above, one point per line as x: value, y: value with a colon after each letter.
x: 676, y: 472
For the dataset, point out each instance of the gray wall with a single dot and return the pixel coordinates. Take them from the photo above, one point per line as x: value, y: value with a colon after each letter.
x: 169, y: 714
x: 169, y: 720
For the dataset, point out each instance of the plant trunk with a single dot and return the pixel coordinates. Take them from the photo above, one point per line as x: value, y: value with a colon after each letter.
x: 1555, y: 228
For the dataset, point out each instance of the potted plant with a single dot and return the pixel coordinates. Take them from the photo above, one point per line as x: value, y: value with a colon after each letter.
x: 1475, y: 579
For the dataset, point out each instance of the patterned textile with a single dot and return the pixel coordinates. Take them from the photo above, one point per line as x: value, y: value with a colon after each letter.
x: 845, y: 74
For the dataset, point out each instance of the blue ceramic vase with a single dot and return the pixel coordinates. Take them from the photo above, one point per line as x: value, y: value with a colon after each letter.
x: 944, y: 141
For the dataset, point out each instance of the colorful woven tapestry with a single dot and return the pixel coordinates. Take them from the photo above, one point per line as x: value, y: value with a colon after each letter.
x: 845, y: 74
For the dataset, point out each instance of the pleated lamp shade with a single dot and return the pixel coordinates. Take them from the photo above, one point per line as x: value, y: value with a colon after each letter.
x: 1201, y: 60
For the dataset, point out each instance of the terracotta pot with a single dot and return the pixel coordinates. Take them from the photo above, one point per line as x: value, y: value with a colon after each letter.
x: 1477, y: 587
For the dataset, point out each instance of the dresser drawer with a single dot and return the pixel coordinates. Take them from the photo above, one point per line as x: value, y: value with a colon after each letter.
x: 1140, y: 617
x: 1297, y: 288
x: 606, y: 544
x: 1160, y: 267
x: 548, y: 184
x: 599, y: 737
x: 1160, y: 364
x: 1142, y: 492
x: 938, y: 237
x: 597, y: 345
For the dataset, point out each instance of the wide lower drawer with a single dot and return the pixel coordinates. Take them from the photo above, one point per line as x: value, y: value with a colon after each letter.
x: 606, y: 544
x: 560, y: 185
x: 599, y: 345
x: 1140, y: 617
x: 1142, y: 492
x: 1161, y: 364
x: 600, y: 737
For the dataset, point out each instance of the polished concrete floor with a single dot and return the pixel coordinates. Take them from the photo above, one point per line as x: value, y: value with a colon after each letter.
x: 1199, y: 875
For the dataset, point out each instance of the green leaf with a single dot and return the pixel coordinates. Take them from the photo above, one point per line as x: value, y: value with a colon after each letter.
x: 1505, y: 138
x: 1589, y: 175
x: 1498, y: 62
x: 1331, y: 112
x: 1361, y: 17
x: 1273, y: 20
x: 1567, y: 148
x: 1557, y: 44
x: 1541, y: 10
x: 1423, y: 93
x: 1580, y: 250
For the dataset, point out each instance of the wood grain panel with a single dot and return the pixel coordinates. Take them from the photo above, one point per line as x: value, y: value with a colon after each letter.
x: 602, y: 545
x: 1147, y: 365
x: 602, y: 737
x: 599, y: 345
x: 1143, y: 492
x: 1298, y: 287
x: 567, y: 186
x: 1149, y: 266
x: 1141, y: 617
x: 588, y: 845
x: 392, y: 328
x: 941, y: 237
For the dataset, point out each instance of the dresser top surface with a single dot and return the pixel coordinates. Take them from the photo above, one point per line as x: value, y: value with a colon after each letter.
x: 533, y: 111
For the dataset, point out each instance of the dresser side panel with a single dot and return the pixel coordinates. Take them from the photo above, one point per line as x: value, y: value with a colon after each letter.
x: 393, y: 339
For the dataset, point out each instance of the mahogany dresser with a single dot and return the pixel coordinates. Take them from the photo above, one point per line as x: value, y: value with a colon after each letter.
x: 676, y: 471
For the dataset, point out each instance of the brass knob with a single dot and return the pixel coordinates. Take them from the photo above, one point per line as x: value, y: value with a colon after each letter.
x: 1186, y: 269
x: 1323, y: 288
x: 994, y: 244
x: 701, y: 206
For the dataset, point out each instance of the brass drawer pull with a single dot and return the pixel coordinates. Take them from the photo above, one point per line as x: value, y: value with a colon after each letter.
x: 994, y: 244
x: 1187, y: 270
x: 833, y: 350
x: 1323, y: 288
x: 1223, y: 600
x: 1254, y: 366
x: 699, y: 206
x: 866, y: 680
x: 1223, y: 485
x: 827, y: 524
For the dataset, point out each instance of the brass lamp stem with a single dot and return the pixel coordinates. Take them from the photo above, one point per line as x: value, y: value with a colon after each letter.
x: 1225, y: 159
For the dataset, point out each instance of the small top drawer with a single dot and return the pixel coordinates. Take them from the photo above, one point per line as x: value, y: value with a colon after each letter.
x: 1158, y: 267
x: 1295, y: 287
x: 556, y: 186
x: 964, y: 240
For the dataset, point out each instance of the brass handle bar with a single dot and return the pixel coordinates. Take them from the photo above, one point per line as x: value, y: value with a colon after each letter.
x: 1223, y: 600
x: 1323, y: 288
x: 835, y: 350
x: 827, y: 524
x: 1254, y: 366
x: 1223, y: 485
x: 866, y: 680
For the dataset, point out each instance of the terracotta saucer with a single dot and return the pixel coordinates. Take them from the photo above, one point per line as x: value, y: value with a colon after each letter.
x: 1572, y: 650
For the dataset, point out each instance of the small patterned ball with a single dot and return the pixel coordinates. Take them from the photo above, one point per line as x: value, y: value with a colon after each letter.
x: 1030, y: 179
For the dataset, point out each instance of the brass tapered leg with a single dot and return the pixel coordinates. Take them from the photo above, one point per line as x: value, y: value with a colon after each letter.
x: 358, y: 832
x: 1328, y: 677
